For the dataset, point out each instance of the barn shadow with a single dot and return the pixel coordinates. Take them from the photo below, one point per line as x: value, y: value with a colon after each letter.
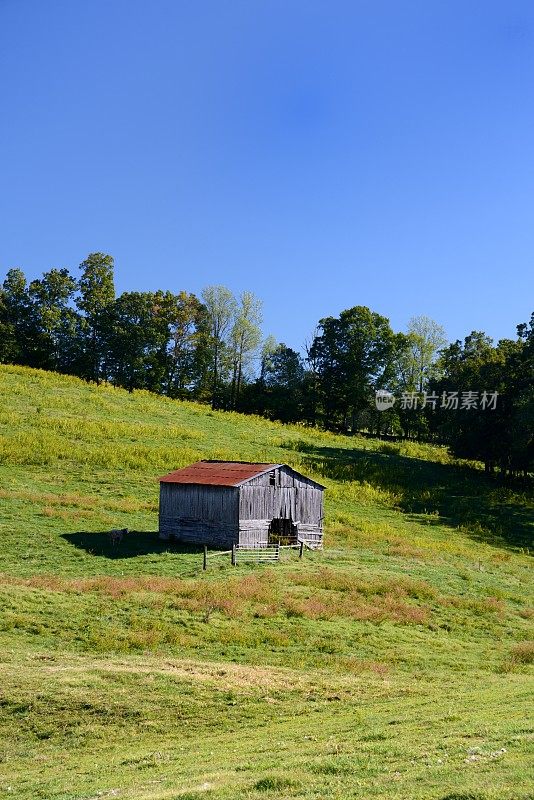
x: 447, y: 494
x: 133, y: 544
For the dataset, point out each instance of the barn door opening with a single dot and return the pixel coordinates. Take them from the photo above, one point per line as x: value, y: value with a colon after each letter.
x: 282, y: 530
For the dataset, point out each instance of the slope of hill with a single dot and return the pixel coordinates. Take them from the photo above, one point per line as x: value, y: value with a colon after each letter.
x: 397, y: 663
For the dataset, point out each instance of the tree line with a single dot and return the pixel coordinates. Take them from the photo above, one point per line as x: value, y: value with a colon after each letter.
x: 211, y: 348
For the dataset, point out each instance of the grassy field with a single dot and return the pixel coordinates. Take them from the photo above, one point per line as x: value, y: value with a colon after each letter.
x: 398, y: 663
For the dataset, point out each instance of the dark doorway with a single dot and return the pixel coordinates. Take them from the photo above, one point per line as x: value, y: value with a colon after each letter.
x: 282, y: 530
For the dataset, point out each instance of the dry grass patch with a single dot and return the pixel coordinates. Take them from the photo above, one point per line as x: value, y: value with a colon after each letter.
x: 523, y: 653
x: 73, y: 500
x: 338, y: 581
x: 356, y: 666
x: 404, y: 549
x: 388, y: 607
x: 252, y: 596
x: 105, y: 584
x: 479, y: 606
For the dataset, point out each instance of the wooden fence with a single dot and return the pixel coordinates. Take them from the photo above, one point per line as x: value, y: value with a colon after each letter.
x: 263, y: 553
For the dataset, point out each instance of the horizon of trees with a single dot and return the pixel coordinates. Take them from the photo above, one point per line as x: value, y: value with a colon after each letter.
x: 211, y: 349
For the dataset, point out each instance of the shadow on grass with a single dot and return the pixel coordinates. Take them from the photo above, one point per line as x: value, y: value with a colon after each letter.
x: 459, y: 496
x: 133, y: 543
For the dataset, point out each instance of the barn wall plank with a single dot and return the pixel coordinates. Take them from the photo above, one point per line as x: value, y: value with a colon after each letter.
x: 199, y: 514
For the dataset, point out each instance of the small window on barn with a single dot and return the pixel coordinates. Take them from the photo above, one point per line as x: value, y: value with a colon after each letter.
x: 272, y: 478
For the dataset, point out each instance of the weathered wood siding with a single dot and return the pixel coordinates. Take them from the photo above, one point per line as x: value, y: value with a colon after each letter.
x: 199, y: 514
x: 292, y: 497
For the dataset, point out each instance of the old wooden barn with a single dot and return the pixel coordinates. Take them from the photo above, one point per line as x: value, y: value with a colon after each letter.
x: 222, y: 503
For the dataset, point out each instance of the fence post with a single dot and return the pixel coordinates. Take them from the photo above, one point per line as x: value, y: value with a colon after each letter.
x: 301, y: 548
x: 205, y: 561
x: 278, y: 551
x: 233, y: 556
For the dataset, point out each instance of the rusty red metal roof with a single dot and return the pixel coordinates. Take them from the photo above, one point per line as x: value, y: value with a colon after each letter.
x: 218, y: 473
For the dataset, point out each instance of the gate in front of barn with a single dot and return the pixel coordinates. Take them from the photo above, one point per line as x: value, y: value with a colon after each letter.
x: 259, y: 555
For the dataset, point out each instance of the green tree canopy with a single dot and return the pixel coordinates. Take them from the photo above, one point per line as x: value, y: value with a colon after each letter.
x: 96, y: 298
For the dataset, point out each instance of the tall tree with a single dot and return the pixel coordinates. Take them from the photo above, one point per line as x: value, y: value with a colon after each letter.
x: 187, y: 350
x: 278, y: 392
x: 312, y: 381
x: 54, y: 318
x: 354, y: 356
x: 97, y: 295
x: 425, y: 339
x: 18, y: 321
x: 480, y: 430
x: 138, y: 338
x: 418, y: 363
x: 245, y: 339
x: 523, y: 416
x: 269, y: 346
x: 8, y: 342
x: 221, y: 308
x: 284, y: 384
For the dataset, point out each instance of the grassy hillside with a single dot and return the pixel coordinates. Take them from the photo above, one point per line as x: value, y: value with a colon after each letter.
x: 397, y: 663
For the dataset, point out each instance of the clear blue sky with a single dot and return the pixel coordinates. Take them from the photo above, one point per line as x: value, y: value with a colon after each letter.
x: 321, y: 154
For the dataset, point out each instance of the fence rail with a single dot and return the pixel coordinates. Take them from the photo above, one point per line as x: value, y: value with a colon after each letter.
x: 257, y: 554
x: 260, y: 553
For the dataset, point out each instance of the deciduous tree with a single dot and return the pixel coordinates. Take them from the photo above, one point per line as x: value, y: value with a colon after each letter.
x: 97, y: 295
x: 354, y: 356
x: 221, y: 309
x: 245, y: 340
